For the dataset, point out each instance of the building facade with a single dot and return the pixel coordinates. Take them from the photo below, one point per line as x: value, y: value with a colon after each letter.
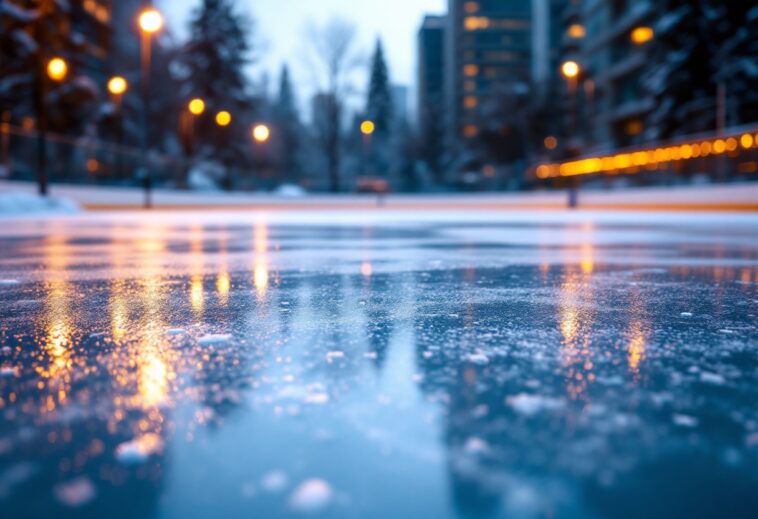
x: 611, y: 55
x: 488, y: 51
x: 431, y: 90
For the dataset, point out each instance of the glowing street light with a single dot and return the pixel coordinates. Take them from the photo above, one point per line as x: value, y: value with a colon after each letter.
x: 57, y: 69
x: 117, y: 85
x: 642, y: 35
x: 570, y: 69
x: 223, y: 118
x: 196, y: 106
x: 261, y: 133
x: 150, y: 21
x: 368, y: 127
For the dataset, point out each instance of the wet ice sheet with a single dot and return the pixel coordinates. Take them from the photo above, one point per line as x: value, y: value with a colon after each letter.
x: 229, y: 366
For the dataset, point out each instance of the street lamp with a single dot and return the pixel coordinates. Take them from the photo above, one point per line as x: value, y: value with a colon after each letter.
x: 261, y: 133
x: 223, y: 118
x: 196, y: 106
x: 57, y: 69
x: 368, y: 127
x: 570, y: 69
x: 117, y: 86
x: 150, y: 22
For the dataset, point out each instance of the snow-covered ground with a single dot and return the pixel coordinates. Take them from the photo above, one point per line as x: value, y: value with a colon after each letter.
x: 18, y: 203
x: 713, y: 197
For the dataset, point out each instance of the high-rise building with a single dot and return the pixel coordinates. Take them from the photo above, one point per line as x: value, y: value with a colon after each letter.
x: 431, y: 88
x: 488, y: 51
x: 612, y: 59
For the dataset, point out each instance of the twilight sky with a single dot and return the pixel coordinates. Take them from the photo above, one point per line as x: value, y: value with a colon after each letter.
x: 281, y: 24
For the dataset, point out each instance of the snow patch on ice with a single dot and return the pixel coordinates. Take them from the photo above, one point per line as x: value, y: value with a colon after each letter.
x: 15, y: 204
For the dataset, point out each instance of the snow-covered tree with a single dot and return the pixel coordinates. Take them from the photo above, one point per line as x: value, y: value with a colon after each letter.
x: 698, y: 45
x: 33, y: 32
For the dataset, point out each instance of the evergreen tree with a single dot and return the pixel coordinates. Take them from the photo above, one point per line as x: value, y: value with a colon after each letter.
x: 33, y: 32
x: 288, y: 129
x: 214, y: 60
x: 379, y: 105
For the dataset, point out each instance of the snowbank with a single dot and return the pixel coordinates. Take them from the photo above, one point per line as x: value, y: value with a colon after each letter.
x: 20, y: 204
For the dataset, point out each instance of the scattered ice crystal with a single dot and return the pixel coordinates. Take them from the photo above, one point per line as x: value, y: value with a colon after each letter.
x: 685, y: 314
x: 313, y: 495
x: 75, y: 493
x: 476, y: 446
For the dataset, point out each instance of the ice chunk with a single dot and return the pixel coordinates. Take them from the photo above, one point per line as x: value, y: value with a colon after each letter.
x: 476, y: 446
x: 138, y: 450
x: 478, y: 358
x: 75, y: 493
x: 214, y: 339
x: 712, y: 378
x: 683, y: 420
x: 313, y: 495
x: 530, y: 405
x: 685, y: 314
x: 331, y: 355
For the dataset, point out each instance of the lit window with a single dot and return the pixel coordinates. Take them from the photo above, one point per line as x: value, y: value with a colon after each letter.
x: 470, y: 102
x: 474, y: 23
x: 471, y: 7
x: 470, y: 130
x: 576, y: 31
x: 551, y: 142
x: 470, y: 70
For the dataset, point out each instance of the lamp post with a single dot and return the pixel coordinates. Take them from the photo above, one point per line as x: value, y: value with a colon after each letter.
x: 261, y: 134
x: 56, y: 70
x: 223, y: 120
x: 195, y: 108
x: 367, y: 130
x: 150, y: 22
x: 571, y: 71
x: 117, y: 86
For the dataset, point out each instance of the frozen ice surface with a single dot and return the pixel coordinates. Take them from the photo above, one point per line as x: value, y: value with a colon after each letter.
x: 379, y: 364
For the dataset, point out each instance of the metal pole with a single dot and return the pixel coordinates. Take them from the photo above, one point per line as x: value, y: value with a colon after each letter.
x: 145, y: 80
x: 40, y: 101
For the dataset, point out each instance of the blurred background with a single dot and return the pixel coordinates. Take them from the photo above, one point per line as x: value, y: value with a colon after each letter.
x: 295, y: 96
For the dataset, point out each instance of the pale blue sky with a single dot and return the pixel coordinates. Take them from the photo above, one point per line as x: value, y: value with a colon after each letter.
x: 281, y: 24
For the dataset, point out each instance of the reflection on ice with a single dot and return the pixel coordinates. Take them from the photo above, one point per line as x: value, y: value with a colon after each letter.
x: 231, y: 369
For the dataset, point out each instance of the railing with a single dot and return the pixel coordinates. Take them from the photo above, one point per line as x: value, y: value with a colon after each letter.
x: 84, y: 160
x: 733, y: 154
